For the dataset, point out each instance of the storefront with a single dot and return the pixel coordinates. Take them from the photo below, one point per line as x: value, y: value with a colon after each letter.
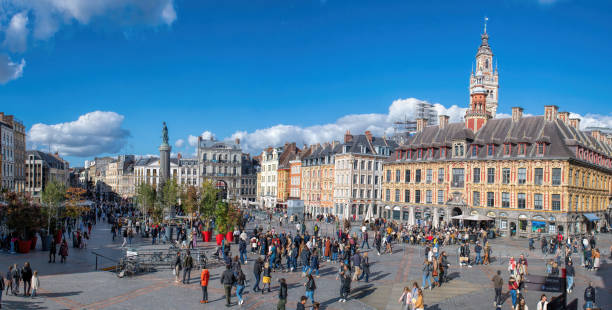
x: 502, y: 223
x: 552, y: 226
x: 397, y: 213
x: 493, y: 223
x: 538, y: 225
x: 522, y: 223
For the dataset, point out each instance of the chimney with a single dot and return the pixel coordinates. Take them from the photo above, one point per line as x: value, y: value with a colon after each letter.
x: 564, y: 116
x: 237, y: 141
x: 550, y: 112
x: 443, y: 121
x: 575, y: 122
x: 517, y: 113
x: 596, y: 134
x: 348, y: 137
x: 421, y: 123
x: 179, y: 156
x: 368, y: 135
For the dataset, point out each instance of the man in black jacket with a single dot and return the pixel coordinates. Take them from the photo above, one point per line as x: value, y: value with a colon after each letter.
x: 228, y: 279
x: 257, y: 267
x: 26, y: 275
x: 187, y: 266
x: 282, y: 295
x: 589, y: 297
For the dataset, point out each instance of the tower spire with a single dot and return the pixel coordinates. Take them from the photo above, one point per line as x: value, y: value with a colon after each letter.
x: 485, y: 24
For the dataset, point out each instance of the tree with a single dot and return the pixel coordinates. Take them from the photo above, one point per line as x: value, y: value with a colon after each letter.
x: 226, y: 217
x: 189, y: 201
x: 146, y: 197
x: 52, y: 197
x: 74, y: 205
x: 208, y: 202
x: 21, y: 216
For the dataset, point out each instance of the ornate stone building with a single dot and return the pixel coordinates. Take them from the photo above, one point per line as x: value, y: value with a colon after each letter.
x: 529, y: 174
x: 42, y: 168
x: 317, y: 190
x: 221, y: 163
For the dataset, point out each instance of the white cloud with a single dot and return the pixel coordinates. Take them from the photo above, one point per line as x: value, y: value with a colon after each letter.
x: 91, y: 134
x: 593, y: 120
x: 50, y: 15
x: 193, y: 140
x: 378, y: 124
x: 16, y: 35
x: 10, y: 70
x: 179, y: 143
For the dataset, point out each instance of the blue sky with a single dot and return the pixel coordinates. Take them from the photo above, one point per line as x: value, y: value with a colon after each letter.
x: 243, y: 68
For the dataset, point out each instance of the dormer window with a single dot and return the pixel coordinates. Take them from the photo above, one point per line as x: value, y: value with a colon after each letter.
x: 521, y: 148
x: 507, y: 149
x: 541, y: 148
x: 430, y: 155
x: 420, y: 153
x: 490, y: 149
x: 458, y: 149
x: 475, y: 150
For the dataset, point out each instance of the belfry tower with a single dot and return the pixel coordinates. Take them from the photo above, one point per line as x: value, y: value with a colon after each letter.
x: 486, y: 76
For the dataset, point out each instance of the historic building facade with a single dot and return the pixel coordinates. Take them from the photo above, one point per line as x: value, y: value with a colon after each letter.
x: 528, y: 174
x: 358, y: 171
x: 41, y: 168
x: 12, y: 153
x: 220, y: 162
x: 318, y: 178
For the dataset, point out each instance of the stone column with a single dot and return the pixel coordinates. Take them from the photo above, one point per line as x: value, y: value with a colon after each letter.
x: 411, y: 216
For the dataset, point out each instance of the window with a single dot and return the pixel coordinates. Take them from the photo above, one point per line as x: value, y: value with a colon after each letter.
x: 362, y: 179
x: 476, y: 175
x: 387, y: 194
x: 440, y: 197
x: 490, y: 199
x: 556, y: 176
x: 375, y: 180
x: 475, y: 150
x: 375, y: 194
x: 355, y: 163
x: 476, y: 199
x: 388, y: 176
x: 505, y: 200
x: 490, y: 150
x: 522, y: 175
x: 354, y: 179
x: 440, y: 175
x: 417, y: 196
x: 541, y: 148
x: 458, y: 149
x: 507, y: 149
x: 361, y: 193
x: 538, y: 176
x: 458, y: 177
x: 407, y: 195
x: 490, y: 175
x: 397, y: 195
x: 428, y: 198
x: 407, y: 176
x: 556, y: 202
x: 429, y: 176
x: 398, y: 176
x: 571, y: 174
x: 522, y: 147
x: 506, y: 175
x: 363, y: 165
x: 537, y: 201
x: 520, y: 200
x: 417, y: 176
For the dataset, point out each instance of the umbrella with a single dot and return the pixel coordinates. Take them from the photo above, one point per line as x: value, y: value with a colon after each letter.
x: 369, y: 214
x: 459, y: 217
x: 346, y: 212
x: 411, y: 216
x: 478, y: 218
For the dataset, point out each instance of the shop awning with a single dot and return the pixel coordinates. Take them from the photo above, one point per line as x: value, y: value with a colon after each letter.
x: 591, y: 217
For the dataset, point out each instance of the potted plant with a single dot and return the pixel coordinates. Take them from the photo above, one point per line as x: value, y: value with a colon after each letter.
x: 206, y: 207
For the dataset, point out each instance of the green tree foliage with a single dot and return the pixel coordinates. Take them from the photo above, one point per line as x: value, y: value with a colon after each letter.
x: 20, y: 215
x: 190, y: 198
x: 208, y: 202
x: 145, y: 195
x: 52, y: 198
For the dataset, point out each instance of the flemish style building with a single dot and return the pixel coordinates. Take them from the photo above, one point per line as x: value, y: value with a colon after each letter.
x: 529, y: 174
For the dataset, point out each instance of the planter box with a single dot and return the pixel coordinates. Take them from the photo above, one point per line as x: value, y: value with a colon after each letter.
x: 206, y: 236
x: 229, y: 236
x: 219, y: 238
x: 24, y: 246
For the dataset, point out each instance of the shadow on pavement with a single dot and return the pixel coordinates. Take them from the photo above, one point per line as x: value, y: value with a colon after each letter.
x: 24, y: 305
x: 59, y: 294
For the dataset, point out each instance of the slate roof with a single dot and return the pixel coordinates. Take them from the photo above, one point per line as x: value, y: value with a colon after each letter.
x: 49, y: 159
x: 559, y: 138
x: 354, y: 146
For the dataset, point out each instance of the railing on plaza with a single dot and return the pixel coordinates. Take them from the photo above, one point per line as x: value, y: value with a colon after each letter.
x: 98, y: 255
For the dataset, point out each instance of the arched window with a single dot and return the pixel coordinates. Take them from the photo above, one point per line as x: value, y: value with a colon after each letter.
x: 487, y: 64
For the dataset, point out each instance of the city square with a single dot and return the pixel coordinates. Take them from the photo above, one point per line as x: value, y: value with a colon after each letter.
x: 166, y: 154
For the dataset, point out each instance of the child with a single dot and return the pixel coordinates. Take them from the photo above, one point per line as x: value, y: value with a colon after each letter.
x: 35, y: 283
x: 267, y: 277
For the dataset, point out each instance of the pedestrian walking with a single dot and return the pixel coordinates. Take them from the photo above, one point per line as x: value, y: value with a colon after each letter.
x: 9, y: 281
x: 35, y: 283
x: 569, y: 275
x: 16, y: 274
x: 2, y: 287
x: 419, y: 303
x: 543, y: 303
x: 240, y: 282
x: 257, y: 269
x: 63, y: 251
x: 310, y: 288
x: 498, y: 284
x: 521, y: 305
x: 426, y: 275
x: 26, y: 276
x: 228, y: 279
x: 177, y: 267
x: 406, y: 299
x: 282, y: 294
x: 204, y: 277
x: 513, y: 288
x: 52, y: 250
x: 589, y: 297
x: 267, y: 277
x: 187, y: 266
x: 365, y: 268
x: 301, y: 303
